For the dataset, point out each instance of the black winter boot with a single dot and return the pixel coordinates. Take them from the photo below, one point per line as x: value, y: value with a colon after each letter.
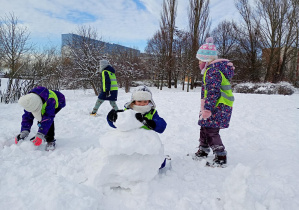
x: 220, y: 160
x: 201, y: 154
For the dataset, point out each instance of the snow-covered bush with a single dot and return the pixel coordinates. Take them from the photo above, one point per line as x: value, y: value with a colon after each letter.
x: 282, y: 88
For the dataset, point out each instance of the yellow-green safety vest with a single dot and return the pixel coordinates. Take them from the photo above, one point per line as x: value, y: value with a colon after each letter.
x: 227, y: 96
x: 52, y: 94
x: 113, y: 80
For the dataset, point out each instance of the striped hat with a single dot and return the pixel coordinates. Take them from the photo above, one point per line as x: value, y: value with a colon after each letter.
x: 207, y: 52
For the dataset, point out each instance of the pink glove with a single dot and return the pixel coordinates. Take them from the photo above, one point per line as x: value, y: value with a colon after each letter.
x: 206, y: 114
x: 38, y: 139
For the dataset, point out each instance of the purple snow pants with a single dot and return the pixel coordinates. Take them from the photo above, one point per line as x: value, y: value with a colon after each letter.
x: 209, y: 137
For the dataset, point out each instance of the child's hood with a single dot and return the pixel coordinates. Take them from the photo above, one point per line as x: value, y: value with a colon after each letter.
x: 110, y: 68
x: 225, y: 66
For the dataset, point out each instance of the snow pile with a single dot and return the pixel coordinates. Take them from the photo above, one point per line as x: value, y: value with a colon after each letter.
x: 133, y: 154
x: 262, y: 145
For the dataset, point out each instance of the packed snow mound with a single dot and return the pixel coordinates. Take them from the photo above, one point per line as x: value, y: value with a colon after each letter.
x: 141, y: 141
x: 129, y: 138
x: 127, y: 121
x: 129, y: 170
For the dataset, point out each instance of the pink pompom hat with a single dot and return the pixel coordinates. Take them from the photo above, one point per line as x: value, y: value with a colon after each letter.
x: 207, y: 52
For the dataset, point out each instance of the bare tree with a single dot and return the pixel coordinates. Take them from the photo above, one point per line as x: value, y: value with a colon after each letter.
x: 156, y: 50
x: 14, y: 45
x: 167, y: 27
x: 224, y: 39
x: 199, y: 26
x: 128, y: 67
x: 279, y: 35
x: 46, y: 69
x: 247, y: 34
x: 85, y: 52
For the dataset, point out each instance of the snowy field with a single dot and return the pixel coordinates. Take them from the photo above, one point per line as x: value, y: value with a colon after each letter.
x: 262, y: 144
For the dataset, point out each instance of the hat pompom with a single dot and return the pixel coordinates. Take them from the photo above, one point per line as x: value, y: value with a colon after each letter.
x: 210, y: 40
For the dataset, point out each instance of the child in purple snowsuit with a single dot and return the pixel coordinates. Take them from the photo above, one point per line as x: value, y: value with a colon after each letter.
x: 42, y: 104
x: 216, y: 101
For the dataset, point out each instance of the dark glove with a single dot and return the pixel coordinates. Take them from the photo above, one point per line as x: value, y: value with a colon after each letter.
x: 149, y: 123
x: 139, y: 117
x: 21, y: 136
x: 112, y: 115
x: 108, y: 94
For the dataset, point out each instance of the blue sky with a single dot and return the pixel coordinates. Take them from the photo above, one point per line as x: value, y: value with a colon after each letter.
x: 127, y: 22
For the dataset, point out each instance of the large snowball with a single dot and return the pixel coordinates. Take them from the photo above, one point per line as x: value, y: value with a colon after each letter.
x: 127, y: 121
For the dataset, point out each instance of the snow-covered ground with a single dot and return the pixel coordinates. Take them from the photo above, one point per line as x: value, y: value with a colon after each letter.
x: 262, y: 144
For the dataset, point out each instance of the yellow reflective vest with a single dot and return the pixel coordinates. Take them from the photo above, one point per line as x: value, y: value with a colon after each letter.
x: 113, y: 80
x: 52, y: 94
x: 227, y: 96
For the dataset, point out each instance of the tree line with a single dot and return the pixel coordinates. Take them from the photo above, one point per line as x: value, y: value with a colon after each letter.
x: 263, y: 45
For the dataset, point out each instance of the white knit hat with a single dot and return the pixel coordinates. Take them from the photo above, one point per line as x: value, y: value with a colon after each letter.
x: 32, y: 103
x: 103, y: 64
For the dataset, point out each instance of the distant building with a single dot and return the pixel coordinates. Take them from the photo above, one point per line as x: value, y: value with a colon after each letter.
x: 69, y: 39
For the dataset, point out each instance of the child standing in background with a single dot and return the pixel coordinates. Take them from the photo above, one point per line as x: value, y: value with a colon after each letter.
x: 216, y: 101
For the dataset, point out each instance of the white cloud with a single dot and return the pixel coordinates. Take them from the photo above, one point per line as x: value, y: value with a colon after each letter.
x: 120, y: 21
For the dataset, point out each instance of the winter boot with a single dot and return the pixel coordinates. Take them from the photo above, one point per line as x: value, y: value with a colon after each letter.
x: 202, y: 152
x: 50, y: 146
x: 219, y: 160
x: 93, y: 114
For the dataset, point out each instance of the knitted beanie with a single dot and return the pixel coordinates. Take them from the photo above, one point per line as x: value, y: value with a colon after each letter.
x: 207, y: 52
x: 32, y: 103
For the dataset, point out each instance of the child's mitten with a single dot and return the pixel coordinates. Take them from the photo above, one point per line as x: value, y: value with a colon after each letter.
x: 112, y: 115
x: 206, y: 114
x: 39, y: 138
x: 139, y: 117
x: 21, y: 136
x: 149, y: 123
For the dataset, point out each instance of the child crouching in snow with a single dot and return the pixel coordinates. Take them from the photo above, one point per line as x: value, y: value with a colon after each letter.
x: 143, y: 104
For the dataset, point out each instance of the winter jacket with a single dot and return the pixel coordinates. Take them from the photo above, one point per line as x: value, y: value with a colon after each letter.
x: 107, y: 85
x: 221, y: 114
x: 50, y: 111
x: 160, y: 122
